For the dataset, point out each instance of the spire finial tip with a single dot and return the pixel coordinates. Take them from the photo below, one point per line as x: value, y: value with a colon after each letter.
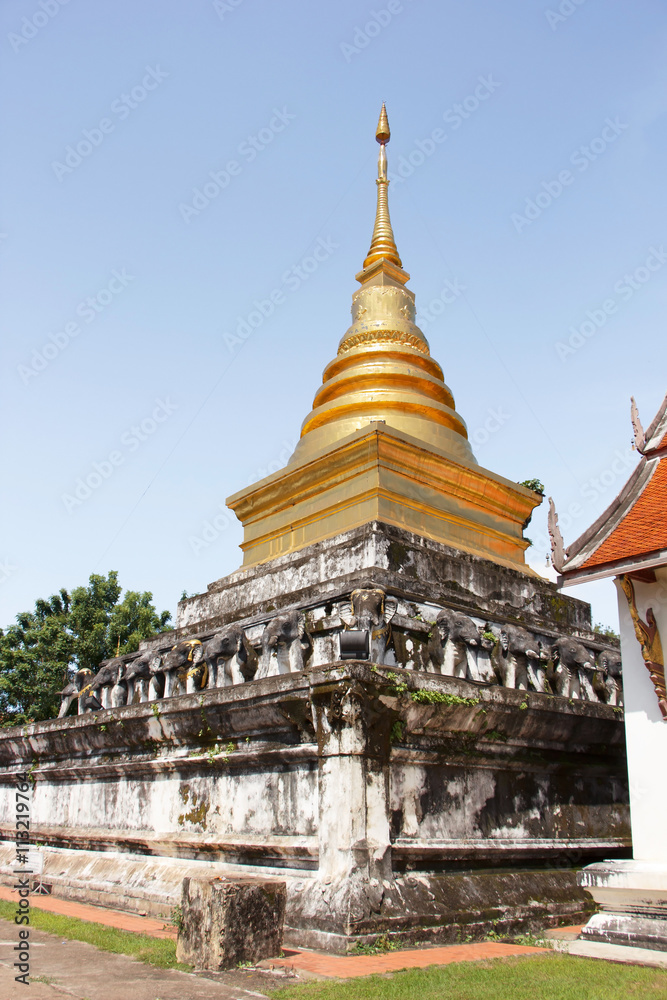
x: 382, y: 133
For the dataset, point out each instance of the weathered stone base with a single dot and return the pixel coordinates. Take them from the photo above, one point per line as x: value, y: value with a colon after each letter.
x: 390, y: 795
x: 224, y: 922
x: 444, y: 908
x: 134, y: 883
x: 633, y: 898
x: 421, y: 908
x: 390, y: 801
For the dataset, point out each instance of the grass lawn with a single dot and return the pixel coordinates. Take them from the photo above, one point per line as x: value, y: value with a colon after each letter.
x: 156, y: 951
x: 552, y: 977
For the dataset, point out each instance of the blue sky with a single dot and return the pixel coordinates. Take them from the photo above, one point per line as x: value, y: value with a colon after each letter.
x: 533, y: 147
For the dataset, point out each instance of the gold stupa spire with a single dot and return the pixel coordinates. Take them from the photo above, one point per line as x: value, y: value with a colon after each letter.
x: 383, y: 370
x: 382, y: 242
x: 383, y: 443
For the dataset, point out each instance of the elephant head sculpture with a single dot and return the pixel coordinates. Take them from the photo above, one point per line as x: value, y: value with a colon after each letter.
x: 109, y: 685
x: 608, y: 677
x: 182, y: 670
x: 520, y: 660
x: 572, y: 664
x: 458, y: 648
x: 229, y: 657
x: 137, y: 677
x: 72, y: 691
x: 370, y: 610
x: 286, y: 645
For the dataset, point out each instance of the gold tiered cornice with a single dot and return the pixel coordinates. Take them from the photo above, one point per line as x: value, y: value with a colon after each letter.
x: 383, y: 441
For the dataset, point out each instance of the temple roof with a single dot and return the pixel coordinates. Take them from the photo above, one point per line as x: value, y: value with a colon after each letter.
x: 632, y: 531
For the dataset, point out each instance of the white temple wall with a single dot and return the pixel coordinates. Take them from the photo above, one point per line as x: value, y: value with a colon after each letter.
x: 645, y: 729
x: 283, y: 803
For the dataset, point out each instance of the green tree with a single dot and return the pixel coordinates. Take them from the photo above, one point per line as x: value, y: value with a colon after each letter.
x: 89, y: 617
x: 135, y: 619
x: 35, y: 655
x: 606, y: 632
x: 64, y: 634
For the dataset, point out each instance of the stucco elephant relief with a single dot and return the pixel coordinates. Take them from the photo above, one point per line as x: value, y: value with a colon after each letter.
x: 457, y: 648
x: 370, y: 610
x: 520, y: 660
x: 109, y: 685
x: 180, y: 671
x: 138, y: 677
x: 286, y: 645
x: 608, y: 677
x: 571, y: 673
x: 72, y: 691
x: 229, y: 657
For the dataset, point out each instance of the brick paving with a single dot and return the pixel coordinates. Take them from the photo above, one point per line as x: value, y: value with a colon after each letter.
x: 350, y: 966
x: 570, y: 933
x: 97, y: 914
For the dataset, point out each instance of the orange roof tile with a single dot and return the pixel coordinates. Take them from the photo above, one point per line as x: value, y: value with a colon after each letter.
x: 643, y: 529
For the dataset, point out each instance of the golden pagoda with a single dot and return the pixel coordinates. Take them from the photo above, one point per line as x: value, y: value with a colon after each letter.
x: 383, y: 441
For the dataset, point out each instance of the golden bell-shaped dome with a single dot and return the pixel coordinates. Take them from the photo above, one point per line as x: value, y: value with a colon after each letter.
x: 383, y: 370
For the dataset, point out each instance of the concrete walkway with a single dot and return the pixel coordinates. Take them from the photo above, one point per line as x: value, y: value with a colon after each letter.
x: 60, y: 968
x: 623, y: 953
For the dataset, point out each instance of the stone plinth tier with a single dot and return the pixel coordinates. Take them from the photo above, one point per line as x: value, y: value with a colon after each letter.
x: 403, y: 562
x: 251, y: 778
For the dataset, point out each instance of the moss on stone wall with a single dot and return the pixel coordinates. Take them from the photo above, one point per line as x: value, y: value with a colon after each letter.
x: 198, y: 813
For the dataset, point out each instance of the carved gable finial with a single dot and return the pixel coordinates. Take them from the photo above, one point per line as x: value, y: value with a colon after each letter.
x: 557, y: 547
x: 638, y: 430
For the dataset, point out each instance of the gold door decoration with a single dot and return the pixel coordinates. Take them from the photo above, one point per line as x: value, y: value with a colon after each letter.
x: 648, y: 638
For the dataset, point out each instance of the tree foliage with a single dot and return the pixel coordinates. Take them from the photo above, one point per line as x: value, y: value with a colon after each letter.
x: 66, y: 633
x: 533, y: 484
x: 606, y: 631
